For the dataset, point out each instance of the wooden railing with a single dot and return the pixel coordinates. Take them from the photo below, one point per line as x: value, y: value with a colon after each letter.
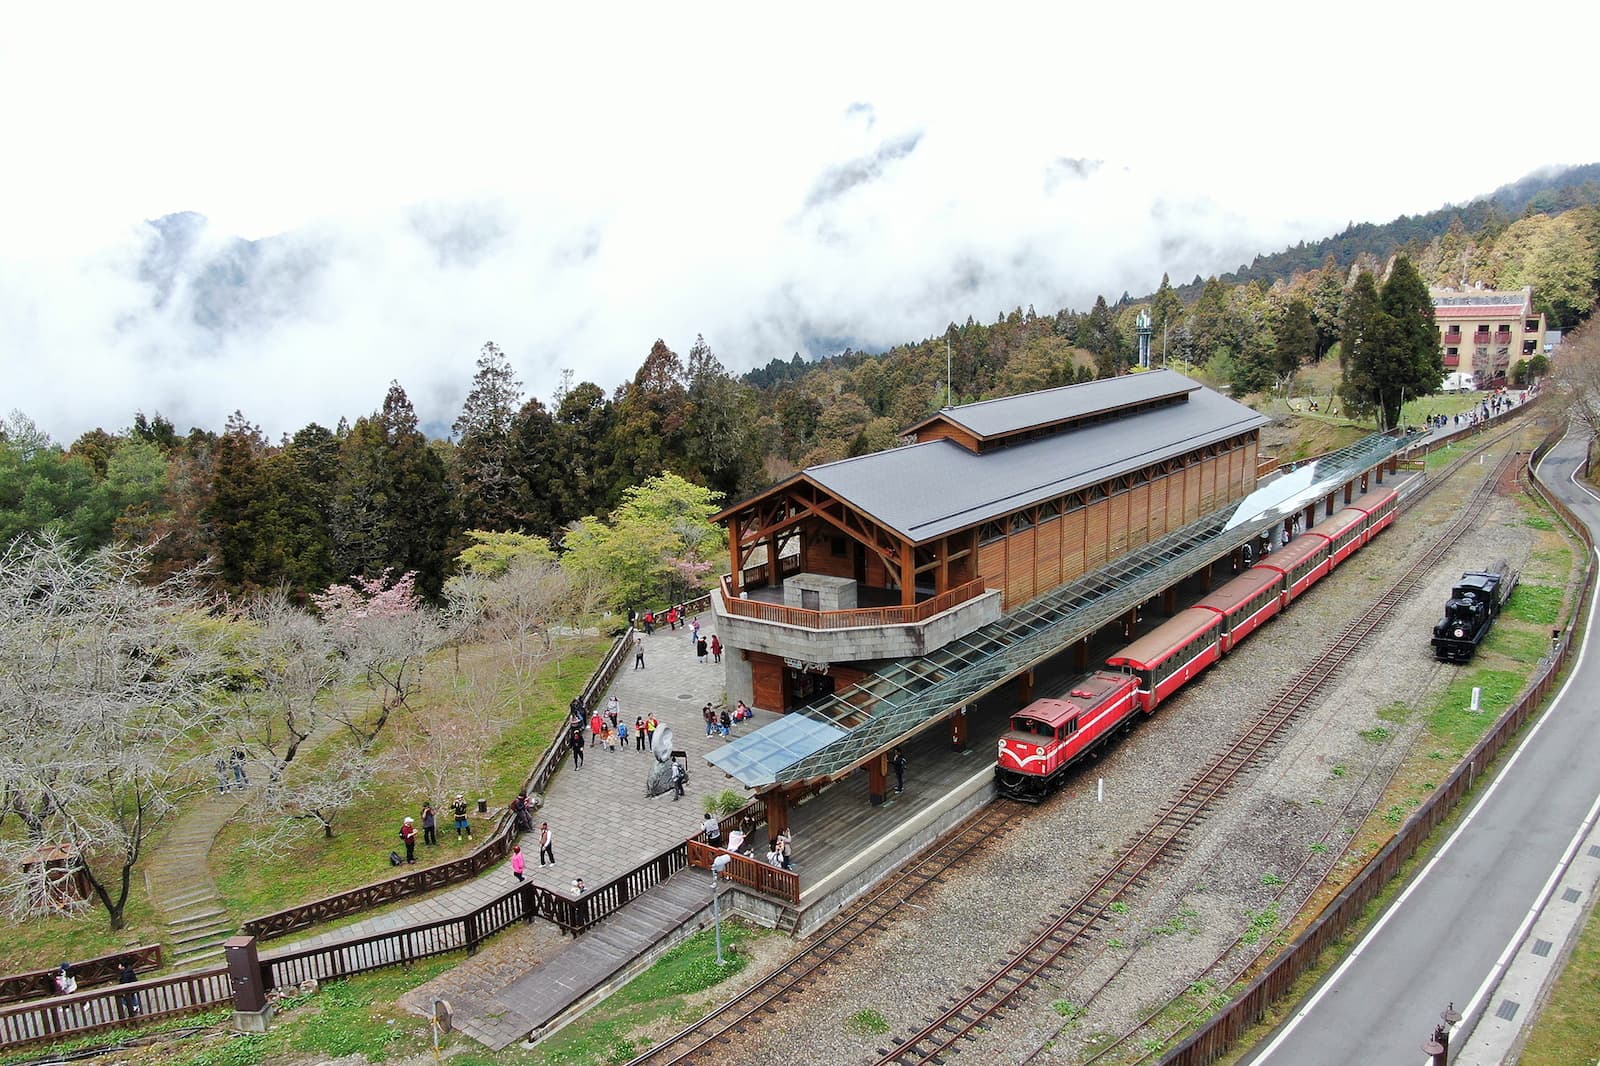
x: 751, y: 873
x: 104, y: 969
x: 112, y: 1007
x: 1219, y: 1034
x: 860, y: 616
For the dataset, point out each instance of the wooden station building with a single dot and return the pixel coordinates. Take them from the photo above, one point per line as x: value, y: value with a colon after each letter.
x: 847, y: 566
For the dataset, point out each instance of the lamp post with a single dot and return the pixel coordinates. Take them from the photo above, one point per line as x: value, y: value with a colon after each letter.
x: 719, y: 864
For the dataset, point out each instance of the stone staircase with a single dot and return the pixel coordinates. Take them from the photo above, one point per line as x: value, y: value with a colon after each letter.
x: 179, y: 882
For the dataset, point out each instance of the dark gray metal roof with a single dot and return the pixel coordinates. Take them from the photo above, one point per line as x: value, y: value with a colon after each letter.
x: 1008, y: 414
x: 924, y: 491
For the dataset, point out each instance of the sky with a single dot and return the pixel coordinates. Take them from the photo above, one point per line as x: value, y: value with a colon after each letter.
x: 574, y: 184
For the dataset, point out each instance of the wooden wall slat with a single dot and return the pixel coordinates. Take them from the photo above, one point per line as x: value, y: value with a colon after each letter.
x: 1072, y: 545
x: 1019, y: 568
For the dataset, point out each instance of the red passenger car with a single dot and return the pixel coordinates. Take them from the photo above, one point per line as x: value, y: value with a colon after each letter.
x: 1380, y: 505
x: 1302, y: 562
x: 1346, y: 532
x: 1049, y: 735
x: 1166, y: 658
x: 1245, y: 604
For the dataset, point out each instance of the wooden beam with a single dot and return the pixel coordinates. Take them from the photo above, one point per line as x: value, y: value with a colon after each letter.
x: 908, y: 574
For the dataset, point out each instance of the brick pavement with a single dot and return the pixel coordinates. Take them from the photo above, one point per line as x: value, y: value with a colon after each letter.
x: 602, y: 824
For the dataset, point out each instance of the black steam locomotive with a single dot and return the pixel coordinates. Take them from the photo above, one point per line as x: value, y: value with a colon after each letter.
x: 1474, y: 604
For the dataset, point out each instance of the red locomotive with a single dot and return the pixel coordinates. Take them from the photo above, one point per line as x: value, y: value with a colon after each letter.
x: 1049, y: 735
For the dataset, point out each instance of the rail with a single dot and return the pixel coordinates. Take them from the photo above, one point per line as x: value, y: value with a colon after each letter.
x: 1219, y: 1034
x: 751, y: 873
x: 103, y: 969
x: 848, y: 619
x: 114, y: 1007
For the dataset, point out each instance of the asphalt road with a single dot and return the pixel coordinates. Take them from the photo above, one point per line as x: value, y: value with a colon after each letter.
x: 1450, y: 933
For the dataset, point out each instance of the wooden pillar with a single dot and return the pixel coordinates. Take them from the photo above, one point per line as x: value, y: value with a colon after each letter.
x: 1025, y: 688
x: 958, y: 730
x: 1377, y: 474
x: 1169, y: 598
x: 1349, y: 492
x: 943, y: 582
x: 1311, y: 515
x: 878, y: 778
x: 908, y: 574
x: 774, y: 571
x: 733, y: 552
x: 1080, y: 654
x: 1330, y: 503
x: 1363, y: 484
x: 777, y: 803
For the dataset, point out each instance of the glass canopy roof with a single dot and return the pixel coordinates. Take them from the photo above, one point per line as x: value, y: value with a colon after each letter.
x: 843, y: 730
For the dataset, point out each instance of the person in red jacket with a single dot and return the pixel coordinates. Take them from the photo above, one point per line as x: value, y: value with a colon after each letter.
x: 408, y: 833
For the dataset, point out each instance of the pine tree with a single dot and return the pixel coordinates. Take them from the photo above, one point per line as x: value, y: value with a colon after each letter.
x: 483, y: 452
x: 1296, y: 337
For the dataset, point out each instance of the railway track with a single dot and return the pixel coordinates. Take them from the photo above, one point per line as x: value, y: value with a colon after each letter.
x: 843, y: 933
x: 1167, y: 837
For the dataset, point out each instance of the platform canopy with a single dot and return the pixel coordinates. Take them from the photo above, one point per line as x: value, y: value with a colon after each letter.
x: 841, y: 732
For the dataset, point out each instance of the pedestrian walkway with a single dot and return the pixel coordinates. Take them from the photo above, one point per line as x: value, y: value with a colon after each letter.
x: 179, y: 883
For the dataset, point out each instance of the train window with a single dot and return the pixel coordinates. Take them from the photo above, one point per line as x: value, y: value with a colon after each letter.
x: 1070, y: 728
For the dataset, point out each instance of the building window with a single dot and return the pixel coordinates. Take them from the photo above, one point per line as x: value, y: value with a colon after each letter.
x: 990, y: 532
x: 1020, y: 521
x: 1530, y: 326
x: 1049, y: 511
x: 1452, y: 351
x: 838, y: 547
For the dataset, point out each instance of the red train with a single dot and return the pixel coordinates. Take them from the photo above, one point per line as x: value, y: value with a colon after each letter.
x: 1049, y: 735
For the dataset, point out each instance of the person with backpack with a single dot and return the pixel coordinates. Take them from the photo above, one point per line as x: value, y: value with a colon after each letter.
x: 408, y: 833
x: 66, y: 984
x: 459, y: 809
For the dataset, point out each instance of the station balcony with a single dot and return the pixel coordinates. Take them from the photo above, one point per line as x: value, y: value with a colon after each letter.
x: 877, y: 625
x: 1502, y: 336
x: 1452, y: 336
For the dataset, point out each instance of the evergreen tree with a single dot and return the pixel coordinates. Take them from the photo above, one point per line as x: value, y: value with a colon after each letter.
x: 1326, y: 304
x: 483, y: 452
x: 1295, y: 338
x: 721, y: 438
x: 1391, y: 344
x: 391, y: 506
x: 235, y: 489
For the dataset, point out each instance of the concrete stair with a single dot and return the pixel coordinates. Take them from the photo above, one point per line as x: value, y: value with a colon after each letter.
x: 179, y: 882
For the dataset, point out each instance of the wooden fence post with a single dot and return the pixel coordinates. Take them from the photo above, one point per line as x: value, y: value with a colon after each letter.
x: 251, y: 1011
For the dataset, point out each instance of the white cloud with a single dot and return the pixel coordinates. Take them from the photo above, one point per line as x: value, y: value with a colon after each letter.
x: 575, y: 185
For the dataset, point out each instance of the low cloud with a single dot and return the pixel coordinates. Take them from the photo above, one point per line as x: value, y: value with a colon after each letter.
x: 894, y: 236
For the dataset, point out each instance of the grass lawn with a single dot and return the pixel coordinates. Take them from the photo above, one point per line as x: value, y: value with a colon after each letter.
x: 365, y: 834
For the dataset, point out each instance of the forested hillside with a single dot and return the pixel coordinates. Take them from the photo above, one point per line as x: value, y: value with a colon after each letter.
x: 322, y: 504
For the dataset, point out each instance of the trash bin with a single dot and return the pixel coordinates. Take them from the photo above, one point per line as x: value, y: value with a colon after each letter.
x: 483, y: 806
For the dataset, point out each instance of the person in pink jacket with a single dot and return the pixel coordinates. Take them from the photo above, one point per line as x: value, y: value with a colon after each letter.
x: 518, y: 863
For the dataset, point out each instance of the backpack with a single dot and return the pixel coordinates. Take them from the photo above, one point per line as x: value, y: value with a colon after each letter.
x: 395, y: 859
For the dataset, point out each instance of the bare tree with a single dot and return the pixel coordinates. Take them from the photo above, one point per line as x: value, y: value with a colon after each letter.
x: 295, y: 663
x: 106, y: 689
x: 313, y: 798
x: 1577, y: 375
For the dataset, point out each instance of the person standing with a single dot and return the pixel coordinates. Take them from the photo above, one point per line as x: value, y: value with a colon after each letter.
x: 126, y: 975
x: 649, y: 621
x: 236, y: 760
x: 459, y: 809
x: 672, y: 618
x: 576, y: 741
x: 547, y: 844
x: 694, y: 632
x: 710, y: 719
x: 716, y: 648
x: 613, y: 710
x: 596, y: 725
x: 408, y: 833
x: 898, y: 761
x: 700, y: 651
x: 651, y: 724
x: 679, y: 777
x: 639, y: 740
x: 430, y: 824
x: 518, y: 863
x: 638, y: 652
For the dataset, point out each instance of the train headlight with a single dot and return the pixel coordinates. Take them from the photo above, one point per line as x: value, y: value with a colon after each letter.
x: 1038, y: 749
x: 1002, y: 747
x: 1460, y: 632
